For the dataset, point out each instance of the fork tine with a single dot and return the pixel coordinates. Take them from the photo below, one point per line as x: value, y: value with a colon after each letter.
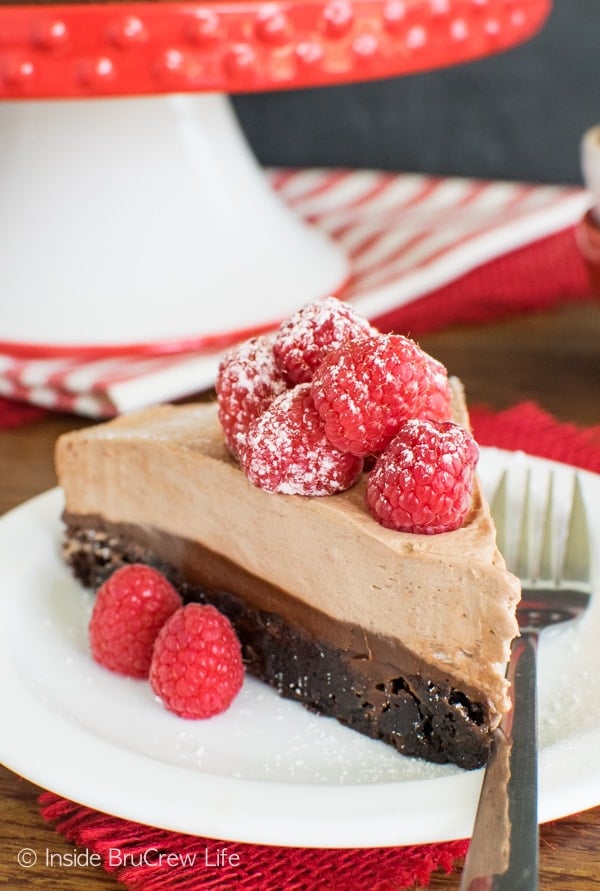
x: 546, y: 551
x: 577, y: 558
x: 498, y: 507
x: 522, y: 559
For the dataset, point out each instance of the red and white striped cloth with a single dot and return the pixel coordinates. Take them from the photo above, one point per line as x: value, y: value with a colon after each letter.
x: 406, y: 235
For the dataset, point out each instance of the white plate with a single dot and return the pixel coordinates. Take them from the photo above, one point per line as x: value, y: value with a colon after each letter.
x: 266, y: 771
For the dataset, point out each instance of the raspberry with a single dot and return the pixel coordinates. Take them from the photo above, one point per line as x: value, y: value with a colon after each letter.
x: 367, y: 389
x: 304, y: 340
x: 248, y: 380
x: 130, y: 609
x: 197, y: 668
x: 436, y: 396
x: 286, y: 450
x: 423, y: 481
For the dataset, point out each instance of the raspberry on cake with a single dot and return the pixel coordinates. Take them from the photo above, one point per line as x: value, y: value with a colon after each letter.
x: 286, y: 450
x: 423, y: 481
x: 317, y: 329
x: 248, y: 380
x: 401, y: 636
x: 366, y: 389
x: 436, y: 402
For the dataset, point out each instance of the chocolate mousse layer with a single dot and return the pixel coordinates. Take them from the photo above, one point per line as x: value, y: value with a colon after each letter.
x: 368, y: 681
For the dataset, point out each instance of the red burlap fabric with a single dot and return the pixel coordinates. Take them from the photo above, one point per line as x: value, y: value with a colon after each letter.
x: 15, y: 414
x: 260, y: 868
x: 526, y: 426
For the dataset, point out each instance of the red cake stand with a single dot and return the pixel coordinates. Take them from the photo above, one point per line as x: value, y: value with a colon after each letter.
x: 133, y: 215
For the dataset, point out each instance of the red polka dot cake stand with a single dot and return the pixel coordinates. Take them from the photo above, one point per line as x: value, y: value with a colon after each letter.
x: 134, y: 216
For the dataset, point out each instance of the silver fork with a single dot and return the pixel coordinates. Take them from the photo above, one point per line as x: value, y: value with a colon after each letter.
x: 503, y: 854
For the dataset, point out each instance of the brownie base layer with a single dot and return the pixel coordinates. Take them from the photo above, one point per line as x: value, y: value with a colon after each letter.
x: 369, y: 684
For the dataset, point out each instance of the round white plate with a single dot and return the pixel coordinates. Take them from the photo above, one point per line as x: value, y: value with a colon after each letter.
x: 266, y: 771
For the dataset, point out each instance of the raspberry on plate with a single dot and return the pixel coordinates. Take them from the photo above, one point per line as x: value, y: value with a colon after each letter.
x: 367, y: 389
x: 197, y: 668
x: 248, y: 380
x: 286, y: 450
x: 129, y: 610
x: 304, y: 339
x: 423, y: 481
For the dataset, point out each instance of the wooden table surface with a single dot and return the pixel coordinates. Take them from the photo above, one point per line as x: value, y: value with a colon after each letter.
x: 553, y: 358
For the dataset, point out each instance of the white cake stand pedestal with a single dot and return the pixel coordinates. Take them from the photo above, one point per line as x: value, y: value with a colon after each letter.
x: 132, y: 222
x: 133, y: 215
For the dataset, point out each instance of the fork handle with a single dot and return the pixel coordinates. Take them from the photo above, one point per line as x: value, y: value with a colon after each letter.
x: 503, y: 854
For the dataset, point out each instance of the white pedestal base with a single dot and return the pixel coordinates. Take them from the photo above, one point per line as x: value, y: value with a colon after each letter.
x: 141, y: 221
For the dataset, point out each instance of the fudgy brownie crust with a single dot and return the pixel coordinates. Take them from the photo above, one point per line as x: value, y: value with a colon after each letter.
x: 418, y: 713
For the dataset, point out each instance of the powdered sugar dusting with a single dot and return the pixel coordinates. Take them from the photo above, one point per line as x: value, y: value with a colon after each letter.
x: 295, y: 746
x: 302, y: 409
x: 304, y: 340
x: 286, y: 450
x: 247, y: 382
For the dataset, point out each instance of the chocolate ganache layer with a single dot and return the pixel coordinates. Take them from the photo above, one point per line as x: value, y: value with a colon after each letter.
x: 367, y: 681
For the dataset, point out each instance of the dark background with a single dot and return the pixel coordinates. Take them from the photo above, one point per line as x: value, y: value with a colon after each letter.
x: 518, y: 115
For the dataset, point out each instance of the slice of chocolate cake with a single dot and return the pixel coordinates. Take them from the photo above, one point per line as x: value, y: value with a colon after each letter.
x: 400, y: 636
